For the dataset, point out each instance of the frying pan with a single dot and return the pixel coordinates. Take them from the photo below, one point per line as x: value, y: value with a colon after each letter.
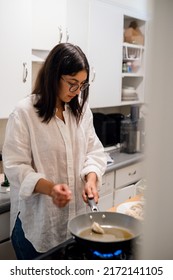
x: 106, y: 219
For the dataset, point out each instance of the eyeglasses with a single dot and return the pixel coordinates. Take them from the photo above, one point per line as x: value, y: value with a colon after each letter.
x: 74, y: 87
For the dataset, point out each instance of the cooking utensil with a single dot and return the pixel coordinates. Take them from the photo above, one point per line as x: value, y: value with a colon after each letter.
x: 107, y: 220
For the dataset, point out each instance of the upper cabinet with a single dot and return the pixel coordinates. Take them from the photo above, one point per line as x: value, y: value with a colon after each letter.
x: 133, y: 60
x: 105, y: 53
x: 56, y: 21
x: 117, y: 61
x: 15, y: 53
x: 48, y: 23
x: 77, y: 23
x: 98, y: 27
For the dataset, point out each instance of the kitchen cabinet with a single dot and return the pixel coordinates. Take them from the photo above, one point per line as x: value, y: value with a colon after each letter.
x: 128, y: 175
x: 106, y: 191
x: 133, y: 62
x: 7, y: 251
x: 48, y: 23
x: 85, y: 23
x: 123, y: 194
x: 105, y: 202
x: 124, y: 181
x: 105, y: 52
x: 68, y: 23
x: 109, y: 54
x: 55, y: 21
x: 15, y: 53
x: 5, y: 229
x: 6, y: 248
x: 77, y: 23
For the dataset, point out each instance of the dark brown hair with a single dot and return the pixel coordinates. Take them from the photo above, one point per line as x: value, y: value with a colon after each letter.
x: 64, y: 59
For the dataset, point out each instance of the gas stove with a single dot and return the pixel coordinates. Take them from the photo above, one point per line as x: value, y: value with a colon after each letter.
x: 72, y: 250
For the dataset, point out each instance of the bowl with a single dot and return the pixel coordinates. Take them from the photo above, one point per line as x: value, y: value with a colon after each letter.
x: 128, y: 91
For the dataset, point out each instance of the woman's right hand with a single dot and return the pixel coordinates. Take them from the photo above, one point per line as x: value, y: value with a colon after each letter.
x: 61, y: 195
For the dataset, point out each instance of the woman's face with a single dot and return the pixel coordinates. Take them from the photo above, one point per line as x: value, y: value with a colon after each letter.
x: 67, y: 86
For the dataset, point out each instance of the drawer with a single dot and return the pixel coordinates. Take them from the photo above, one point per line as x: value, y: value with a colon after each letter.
x: 7, y: 251
x: 4, y: 226
x: 123, y: 194
x: 107, y: 183
x: 128, y: 175
x: 106, y: 202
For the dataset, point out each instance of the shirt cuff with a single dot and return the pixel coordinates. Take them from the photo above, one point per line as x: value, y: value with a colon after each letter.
x: 28, y: 184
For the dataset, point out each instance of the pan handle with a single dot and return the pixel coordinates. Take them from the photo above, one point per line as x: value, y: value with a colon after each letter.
x: 92, y: 205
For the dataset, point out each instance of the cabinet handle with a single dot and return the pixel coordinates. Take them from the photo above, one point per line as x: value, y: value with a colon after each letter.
x: 25, y: 72
x: 132, y: 173
x: 67, y: 35
x: 60, y: 34
x: 94, y: 74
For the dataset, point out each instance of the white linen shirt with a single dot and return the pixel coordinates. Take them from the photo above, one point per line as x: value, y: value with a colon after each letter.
x: 62, y: 152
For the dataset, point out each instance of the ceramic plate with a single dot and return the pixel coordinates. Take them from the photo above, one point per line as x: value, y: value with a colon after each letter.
x: 122, y: 208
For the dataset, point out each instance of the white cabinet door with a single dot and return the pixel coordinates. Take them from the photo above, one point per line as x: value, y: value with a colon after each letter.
x: 55, y: 21
x: 123, y: 194
x: 107, y: 183
x: 15, y: 53
x: 105, y: 53
x: 129, y: 174
x: 105, y: 202
x: 7, y: 251
x: 77, y: 23
x: 106, y: 192
x: 48, y: 23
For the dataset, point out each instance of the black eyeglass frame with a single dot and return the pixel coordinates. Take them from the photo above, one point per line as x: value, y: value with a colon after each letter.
x: 74, y: 87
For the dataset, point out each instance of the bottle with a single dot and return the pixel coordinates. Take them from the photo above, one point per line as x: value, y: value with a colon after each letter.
x: 129, y: 67
x: 124, y: 68
x: 6, y: 182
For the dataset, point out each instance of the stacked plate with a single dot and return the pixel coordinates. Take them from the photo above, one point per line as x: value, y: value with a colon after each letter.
x: 129, y: 93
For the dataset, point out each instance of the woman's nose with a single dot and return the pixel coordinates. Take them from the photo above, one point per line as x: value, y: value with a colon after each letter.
x: 77, y: 92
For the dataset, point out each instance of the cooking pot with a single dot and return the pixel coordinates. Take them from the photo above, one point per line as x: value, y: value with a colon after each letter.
x: 106, y: 219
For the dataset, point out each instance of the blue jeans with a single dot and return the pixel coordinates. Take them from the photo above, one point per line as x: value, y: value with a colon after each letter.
x: 23, y: 248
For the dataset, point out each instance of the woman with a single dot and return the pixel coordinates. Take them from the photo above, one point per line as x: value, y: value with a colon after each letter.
x: 51, y: 154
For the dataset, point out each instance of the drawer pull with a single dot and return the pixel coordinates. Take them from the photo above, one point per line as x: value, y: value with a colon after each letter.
x: 132, y: 173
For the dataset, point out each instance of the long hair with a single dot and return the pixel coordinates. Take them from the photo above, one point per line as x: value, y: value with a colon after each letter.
x: 64, y: 59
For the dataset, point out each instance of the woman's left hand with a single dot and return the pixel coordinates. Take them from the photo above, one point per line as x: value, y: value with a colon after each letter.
x: 90, y: 189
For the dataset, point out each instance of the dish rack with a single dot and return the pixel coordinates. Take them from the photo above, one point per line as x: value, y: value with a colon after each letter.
x: 132, y: 52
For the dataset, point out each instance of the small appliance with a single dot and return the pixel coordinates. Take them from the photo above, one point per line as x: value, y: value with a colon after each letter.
x: 107, y: 127
x: 130, y: 132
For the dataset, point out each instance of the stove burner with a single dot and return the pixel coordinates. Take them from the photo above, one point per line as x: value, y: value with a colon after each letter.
x: 72, y: 250
x: 107, y: 255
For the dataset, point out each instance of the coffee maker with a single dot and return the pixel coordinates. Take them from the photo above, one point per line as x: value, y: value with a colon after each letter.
x: 130, y: 132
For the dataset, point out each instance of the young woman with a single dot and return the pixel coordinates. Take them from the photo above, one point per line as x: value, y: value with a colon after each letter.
x: 51, y: 154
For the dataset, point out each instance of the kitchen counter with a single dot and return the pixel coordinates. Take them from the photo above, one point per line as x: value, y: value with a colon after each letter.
x: 122, y: 159
x: 119, y: 160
